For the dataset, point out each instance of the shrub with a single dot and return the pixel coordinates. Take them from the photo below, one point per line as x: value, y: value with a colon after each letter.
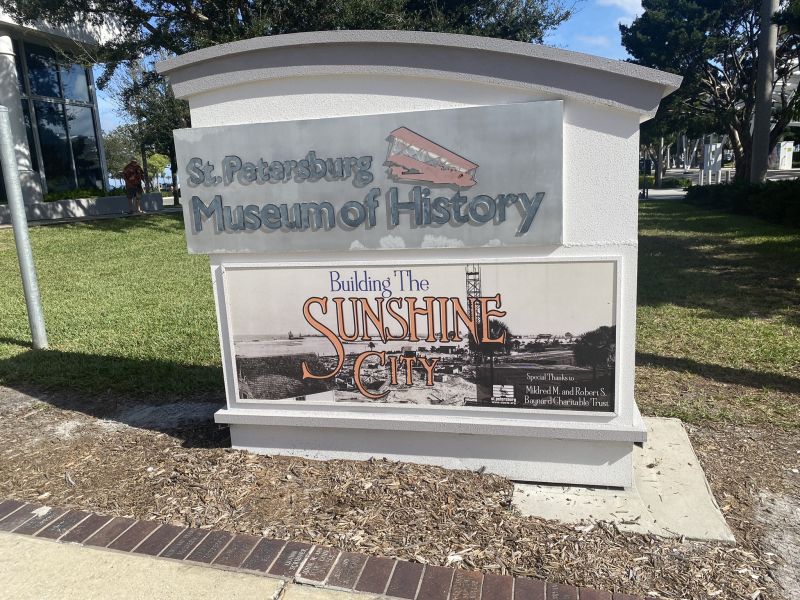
x: 666, y: 182
x: 774, y: 201
x: 82, y: 193
x: 72, y: 194
x: 676, y: 182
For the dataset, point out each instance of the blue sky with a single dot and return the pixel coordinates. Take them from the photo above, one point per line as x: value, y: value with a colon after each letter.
x: 594, y: 29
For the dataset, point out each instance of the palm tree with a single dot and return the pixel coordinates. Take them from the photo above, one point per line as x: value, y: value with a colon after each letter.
x: 498, y: 330
x: 596, y: 348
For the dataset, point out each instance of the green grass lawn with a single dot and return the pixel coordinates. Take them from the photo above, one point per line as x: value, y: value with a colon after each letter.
x: 130, y: 312
x: 719, y: 317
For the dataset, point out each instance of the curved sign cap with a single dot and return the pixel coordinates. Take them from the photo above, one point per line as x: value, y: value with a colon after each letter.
x: 422, y: 55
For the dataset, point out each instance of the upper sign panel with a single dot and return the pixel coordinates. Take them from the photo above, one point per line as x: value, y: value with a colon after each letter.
x: 469, y: 177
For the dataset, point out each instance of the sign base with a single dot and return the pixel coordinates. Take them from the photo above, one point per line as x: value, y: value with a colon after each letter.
x: 576, y: 454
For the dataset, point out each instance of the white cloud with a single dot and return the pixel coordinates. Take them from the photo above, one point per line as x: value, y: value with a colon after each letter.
x: 594, y: 40
x: 632, y: 8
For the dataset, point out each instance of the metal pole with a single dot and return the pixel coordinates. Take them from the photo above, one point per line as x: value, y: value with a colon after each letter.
x: 19, y: 223
x: 767, y: 40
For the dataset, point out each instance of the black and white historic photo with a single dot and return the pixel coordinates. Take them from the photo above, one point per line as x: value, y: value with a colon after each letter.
x: 512, y: 335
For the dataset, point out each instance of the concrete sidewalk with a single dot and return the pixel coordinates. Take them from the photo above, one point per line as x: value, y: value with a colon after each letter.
x: 670, y: 496
x: 35, y: 569
x: 665, y: 194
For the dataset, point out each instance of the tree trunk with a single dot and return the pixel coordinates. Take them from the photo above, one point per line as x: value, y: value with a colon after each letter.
x: 742, y: 169
x: 659, y: 163
x: 143, y: 151
x: 767, y: 41
x: 173, y: 165
x: 147, y: 186
x: 740, y: 144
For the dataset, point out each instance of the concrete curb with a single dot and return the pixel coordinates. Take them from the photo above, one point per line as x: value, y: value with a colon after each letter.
x: 126, y: 215
x: 82, y: 208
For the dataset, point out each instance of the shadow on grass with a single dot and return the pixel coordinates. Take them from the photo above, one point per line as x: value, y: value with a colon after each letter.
x: 175, y: 398
x: 679, y: 216
x: 727, y: 375
x: 729, y: 266
x: 16, y: 342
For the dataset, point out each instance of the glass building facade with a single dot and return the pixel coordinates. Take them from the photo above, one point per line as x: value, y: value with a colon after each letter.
x: 60, y: 112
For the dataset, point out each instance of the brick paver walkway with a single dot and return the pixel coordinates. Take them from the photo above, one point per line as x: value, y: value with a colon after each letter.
x: 297, y: 561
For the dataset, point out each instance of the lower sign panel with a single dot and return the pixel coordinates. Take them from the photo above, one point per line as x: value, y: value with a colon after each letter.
x: 512, y: 335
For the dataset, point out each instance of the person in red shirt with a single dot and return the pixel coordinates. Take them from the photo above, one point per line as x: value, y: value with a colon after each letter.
x: 133, y: 175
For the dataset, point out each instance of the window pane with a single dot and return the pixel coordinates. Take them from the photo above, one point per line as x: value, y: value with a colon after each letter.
x: 18, y: 63
x: 55, y: 147
x: 73, y: 78
x: 84, y: 147
x: 42, y: 71
x: 26, y: 113
x: 3, y: 198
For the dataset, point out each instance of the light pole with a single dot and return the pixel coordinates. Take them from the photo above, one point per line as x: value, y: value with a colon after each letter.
x: 19, y: 223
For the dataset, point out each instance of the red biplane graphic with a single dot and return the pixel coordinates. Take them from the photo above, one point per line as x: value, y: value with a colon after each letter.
x: 415, y: 158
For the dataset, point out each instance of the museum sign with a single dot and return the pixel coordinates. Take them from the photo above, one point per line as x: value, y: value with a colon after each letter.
x: 423, y: 247
x: 426, y: 179
x: 457, y: 335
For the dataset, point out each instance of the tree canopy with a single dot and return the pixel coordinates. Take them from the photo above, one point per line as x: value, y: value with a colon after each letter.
x: 120, y: 146
x: 147, y: 27
x: 151, y: 105
x: 156, y: 163
x: 713, y: 44
x: 789, y: 16
x: 156, y: 28
x: 596, y: 348
x: 498, y: 330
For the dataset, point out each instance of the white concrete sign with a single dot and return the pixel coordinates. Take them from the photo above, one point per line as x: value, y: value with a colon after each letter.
x: 423, y: 247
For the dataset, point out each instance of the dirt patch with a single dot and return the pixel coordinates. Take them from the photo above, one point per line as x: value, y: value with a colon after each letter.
x: 173, y: 415
x: 67, y: 429
x: 781, y: 517
x: 13, y: 401
x: 188, y: 476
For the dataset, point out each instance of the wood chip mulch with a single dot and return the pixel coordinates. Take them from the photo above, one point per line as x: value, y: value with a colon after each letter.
x: 186, y: 476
